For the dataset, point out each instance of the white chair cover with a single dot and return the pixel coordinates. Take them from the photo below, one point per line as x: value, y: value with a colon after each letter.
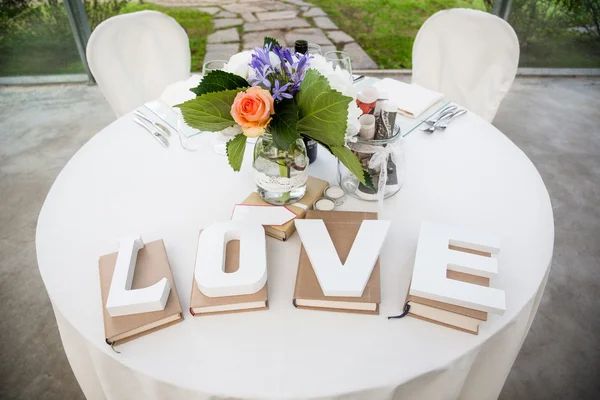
x: 133, y: 57
x: 470, y: 56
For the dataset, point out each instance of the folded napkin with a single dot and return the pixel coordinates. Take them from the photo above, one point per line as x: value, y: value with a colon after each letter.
x: 412, y: 100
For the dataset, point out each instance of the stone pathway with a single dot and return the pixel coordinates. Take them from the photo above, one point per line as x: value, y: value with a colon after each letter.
x: 243, y: 24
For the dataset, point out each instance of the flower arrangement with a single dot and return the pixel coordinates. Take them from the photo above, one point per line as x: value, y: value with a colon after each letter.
x: 288, y: 95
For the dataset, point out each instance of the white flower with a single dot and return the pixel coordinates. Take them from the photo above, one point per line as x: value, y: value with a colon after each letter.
x: 340, y: 80
x: 239, y: 64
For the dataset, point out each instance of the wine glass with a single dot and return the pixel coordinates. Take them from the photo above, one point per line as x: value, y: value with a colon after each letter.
x: 314, y: 48
x: 340, y: 60
x: 213, y: 65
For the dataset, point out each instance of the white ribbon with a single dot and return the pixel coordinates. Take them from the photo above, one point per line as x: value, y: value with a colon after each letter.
x: 379, y: 159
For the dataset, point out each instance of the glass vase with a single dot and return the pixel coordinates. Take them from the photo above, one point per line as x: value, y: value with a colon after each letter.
x: 385, y: 183
x: 280, y: 176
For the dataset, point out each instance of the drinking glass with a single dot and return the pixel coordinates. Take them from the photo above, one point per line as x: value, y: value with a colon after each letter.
x: 340, y: 60
x: 314, y: 48
x: 213, y: 65
x: 191, y: 139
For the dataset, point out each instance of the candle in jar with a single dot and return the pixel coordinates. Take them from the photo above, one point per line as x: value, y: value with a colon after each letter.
x: 336, y: 194
x: 324, y: 204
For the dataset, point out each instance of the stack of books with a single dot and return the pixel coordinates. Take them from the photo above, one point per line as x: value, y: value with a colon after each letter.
x: 451, y: 315
x: 315, y: 188
x: 343, y: 227
x: 152, y: 265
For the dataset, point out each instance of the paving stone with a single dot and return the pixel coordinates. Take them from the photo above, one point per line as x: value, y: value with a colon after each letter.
x: 277, y: 24
x: 243, y: 8
x: 249, y: 17
x: 273, y: 15
x: 277, y: 6
x: 227, y: 22
x: 220, y: 51
x: 226, y: 14
x: 315, y: 12
x: 224, y: 35
x: 209, y: 10
x: 340, y: 37
x: 325, y: 23
x: 360, y: 59
x: 257, y: 39
x: 298, y: 2
x: 312, y: 35
x: 326, y: 49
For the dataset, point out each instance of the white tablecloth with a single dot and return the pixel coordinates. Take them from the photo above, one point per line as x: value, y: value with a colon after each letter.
x: 123, y: 183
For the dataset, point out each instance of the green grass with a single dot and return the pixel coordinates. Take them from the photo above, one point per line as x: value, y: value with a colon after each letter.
x: 40, y: 41
x: 386, y: 29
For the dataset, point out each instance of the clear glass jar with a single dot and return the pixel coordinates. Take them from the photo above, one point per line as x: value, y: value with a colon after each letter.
x: 373, y: 155
x: 280, y: 176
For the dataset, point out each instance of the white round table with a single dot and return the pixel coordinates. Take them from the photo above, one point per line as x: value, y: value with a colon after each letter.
x: 123, y: 183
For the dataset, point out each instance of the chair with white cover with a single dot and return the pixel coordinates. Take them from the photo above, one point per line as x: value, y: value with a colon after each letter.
x: 470, y: 56
x: 133, y: 57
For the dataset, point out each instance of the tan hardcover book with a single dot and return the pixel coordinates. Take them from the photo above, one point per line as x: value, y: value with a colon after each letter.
x: 151, y: 266
x: 315, y: 188
x: 450, y: 315
x: 201, y: 304
x: 342, y: 227
x: 469, y: 312
x: 445, y: 318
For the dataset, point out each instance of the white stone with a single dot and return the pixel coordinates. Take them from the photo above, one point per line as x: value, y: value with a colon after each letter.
x: 335, y: 278
x: 278, y: 24
x: 312, y: 35
x: 256, y: 39
x: 315, y: 12
x: 224, y: 36
x: 340, y: 37
x: 226, y: 14
x: 360, y: 59
x: 251, y: 276
x: 275, y: 15
x: 209, y: 10
x: 434, y: 258
x: 220, y: 51
x: 227, y: 22
x: 324, y: 23
x: 249, y: 17
x: 124, y: 301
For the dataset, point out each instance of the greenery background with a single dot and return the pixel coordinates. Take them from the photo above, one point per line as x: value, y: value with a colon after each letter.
x: 35, y: 37
x: 38, y: 40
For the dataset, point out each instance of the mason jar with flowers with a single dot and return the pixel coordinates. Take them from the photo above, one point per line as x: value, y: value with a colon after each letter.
x: 278, y: 97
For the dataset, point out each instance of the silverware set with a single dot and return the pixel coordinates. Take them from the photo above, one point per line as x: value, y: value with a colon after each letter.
x: 442, y: 119
x: 158, y: 131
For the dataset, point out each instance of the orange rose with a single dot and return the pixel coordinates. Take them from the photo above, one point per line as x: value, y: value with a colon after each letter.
x: 252, y: 110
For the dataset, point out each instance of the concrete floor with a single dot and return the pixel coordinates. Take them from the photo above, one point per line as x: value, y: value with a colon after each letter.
x: 555, y: 121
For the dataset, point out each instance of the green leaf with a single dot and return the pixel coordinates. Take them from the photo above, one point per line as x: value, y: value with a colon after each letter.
x: 369, y: 181
x: 323, y: 111
x: 273, y: 42
x: 283, y: 125
x: 209, y: 112
x: 217, y: 81
x: 349, y: 159
x: 235, y: 151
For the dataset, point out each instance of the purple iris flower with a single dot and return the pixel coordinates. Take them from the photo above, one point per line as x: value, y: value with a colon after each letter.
x: 279, y: 92
x: 284, y: 79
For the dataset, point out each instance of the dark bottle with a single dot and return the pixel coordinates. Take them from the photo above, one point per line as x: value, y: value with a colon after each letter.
x: 301, y: 46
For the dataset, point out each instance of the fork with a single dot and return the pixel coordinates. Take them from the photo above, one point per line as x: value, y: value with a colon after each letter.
x: 448, y: 117
x: 444, y: 111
